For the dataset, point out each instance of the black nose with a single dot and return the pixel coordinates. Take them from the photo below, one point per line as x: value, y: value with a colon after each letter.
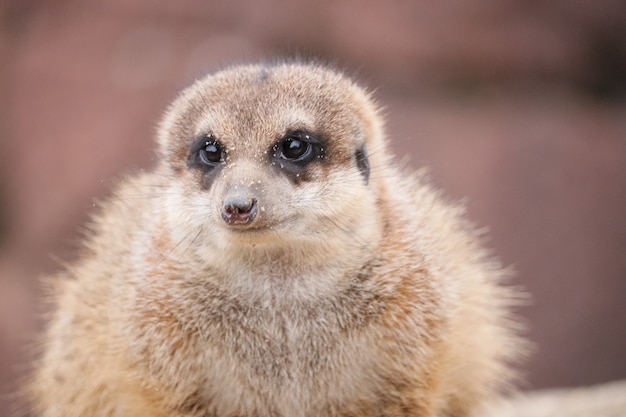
x: 239, y: 210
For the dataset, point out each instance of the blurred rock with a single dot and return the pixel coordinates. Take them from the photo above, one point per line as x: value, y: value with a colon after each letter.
x: 606, y: 400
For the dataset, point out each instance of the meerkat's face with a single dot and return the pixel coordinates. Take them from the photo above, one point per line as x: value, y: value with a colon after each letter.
x: 269, y: 155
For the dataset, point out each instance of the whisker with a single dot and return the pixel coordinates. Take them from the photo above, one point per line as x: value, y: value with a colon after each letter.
x: 177, y: 245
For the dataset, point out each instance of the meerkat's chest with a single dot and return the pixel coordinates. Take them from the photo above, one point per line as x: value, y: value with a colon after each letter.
x: 290, y: 363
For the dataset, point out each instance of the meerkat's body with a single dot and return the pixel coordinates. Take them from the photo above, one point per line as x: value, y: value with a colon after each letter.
x: 275, y: 263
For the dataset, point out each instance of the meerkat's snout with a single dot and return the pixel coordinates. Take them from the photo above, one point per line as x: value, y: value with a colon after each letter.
x: 239, y: 210
x: 241, y: 197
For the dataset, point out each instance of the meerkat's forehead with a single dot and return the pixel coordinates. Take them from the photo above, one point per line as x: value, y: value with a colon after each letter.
x: 258, y: 104
x: 299, y: 82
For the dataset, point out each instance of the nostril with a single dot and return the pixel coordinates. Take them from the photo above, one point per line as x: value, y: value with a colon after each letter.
x: 239, y: 210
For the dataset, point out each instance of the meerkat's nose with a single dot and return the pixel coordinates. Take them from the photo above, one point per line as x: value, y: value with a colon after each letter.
x: 238, y: 210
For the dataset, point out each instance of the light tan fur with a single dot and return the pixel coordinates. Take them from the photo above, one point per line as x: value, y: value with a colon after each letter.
x: 349, y: 296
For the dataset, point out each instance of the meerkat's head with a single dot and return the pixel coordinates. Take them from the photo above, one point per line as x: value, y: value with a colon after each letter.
x: 278, y: 157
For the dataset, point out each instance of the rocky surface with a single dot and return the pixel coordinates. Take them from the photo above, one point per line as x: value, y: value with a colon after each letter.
x: 606, y: 400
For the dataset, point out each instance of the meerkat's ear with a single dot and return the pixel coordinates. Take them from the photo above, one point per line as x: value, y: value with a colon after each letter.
x: 362, y: 162
x: 163, y: 133
x: 176, y: 129
x: 372, y: 154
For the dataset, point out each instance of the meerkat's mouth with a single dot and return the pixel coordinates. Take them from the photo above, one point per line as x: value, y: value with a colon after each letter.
x: 259, y: 227
x: 249, y: 229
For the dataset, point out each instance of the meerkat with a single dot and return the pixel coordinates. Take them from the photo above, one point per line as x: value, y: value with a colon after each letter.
x: 277, y: 263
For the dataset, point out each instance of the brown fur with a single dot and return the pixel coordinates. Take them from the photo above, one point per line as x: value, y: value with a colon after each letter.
x: 351, y: 298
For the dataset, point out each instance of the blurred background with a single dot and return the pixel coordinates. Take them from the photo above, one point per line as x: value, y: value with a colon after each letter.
x: 518, y: 107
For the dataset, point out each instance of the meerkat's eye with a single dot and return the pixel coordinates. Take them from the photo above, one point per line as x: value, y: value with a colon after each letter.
x: 298, y: 147
x: 211, y: 153
x: 207, y: 151
x: 294, y: 148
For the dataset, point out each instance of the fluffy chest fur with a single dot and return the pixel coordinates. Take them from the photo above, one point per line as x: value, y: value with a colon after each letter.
x: 277, y: 355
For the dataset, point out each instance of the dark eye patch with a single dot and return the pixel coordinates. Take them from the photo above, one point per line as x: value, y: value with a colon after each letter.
x: 207, y: 155
x: 300, y: 147
x: 206, y: 152
x: 293, y: 153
